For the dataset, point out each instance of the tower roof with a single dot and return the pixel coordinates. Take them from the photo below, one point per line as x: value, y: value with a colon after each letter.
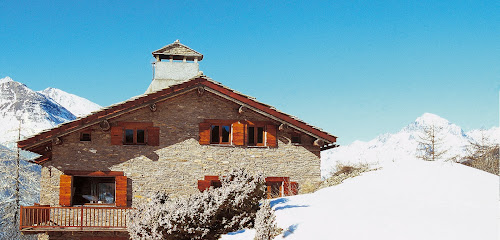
x: 177, y: 51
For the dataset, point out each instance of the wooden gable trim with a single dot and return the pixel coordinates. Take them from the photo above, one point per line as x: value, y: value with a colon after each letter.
x: 163, y: 95
x: 267, y: 111
x: 106, y: 114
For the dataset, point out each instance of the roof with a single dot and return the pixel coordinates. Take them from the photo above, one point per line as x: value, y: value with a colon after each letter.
x: 197, y: 83
x: 177, y: 51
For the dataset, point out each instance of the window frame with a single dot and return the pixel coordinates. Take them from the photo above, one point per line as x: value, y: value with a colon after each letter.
x: 94, y: 174
x: 135, y: 136
x: 256, y: 126
x: 221, y: 127
x: 82, y: 139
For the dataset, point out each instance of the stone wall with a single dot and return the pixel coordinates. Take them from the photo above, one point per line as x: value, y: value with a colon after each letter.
x: 180, y: 161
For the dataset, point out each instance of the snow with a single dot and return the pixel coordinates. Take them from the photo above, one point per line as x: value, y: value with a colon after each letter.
x: 77, y: 105
x: 389, y: 147
x: 6, y: 79
x: 37, y: 110
x: 407, y: 199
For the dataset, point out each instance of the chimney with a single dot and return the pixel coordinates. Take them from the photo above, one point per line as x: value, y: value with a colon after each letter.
x: 175, y: 63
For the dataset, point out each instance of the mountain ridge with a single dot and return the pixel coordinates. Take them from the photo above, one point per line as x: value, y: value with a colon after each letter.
x: 403, y: 144
x: 32, y: 111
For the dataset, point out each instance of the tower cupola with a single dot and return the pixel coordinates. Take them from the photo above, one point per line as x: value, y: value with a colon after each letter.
x: 175, y: 63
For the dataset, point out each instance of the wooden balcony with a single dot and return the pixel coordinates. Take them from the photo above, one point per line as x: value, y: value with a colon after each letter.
x: 53, y: 219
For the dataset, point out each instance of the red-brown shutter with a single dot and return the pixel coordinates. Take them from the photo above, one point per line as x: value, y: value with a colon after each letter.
x: 205, y: 133
x: 121, y: 191
x: 294, y: 187
x: 238, y: 134
x: 65, y: 187
x: 153, y: 136
x: 116, y: 135
x: 271, y: 136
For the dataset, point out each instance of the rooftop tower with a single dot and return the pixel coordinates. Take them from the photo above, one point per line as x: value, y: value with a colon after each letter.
x: 175, y: 63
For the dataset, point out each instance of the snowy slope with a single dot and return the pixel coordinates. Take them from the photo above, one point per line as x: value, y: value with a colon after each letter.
x: 408, y: 199
x: 77, y: 105
x: 36, y: 111
x: 390, y: 147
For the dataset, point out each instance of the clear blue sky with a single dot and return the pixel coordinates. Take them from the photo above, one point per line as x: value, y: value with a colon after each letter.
x: 354, y: 68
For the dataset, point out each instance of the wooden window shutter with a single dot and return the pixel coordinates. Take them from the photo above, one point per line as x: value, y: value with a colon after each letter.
x: 121, y: 191
x: 204, y: 133
x: 239, y: 133
x: 116, y: 135
x: 271, y: 140
x: 153, y: 136
x: 65, y: 189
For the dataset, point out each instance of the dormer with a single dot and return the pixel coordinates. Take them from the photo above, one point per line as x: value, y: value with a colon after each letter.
x: 175, y: 63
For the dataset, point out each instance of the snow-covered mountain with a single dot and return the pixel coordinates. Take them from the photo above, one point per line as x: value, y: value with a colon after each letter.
x: 77, y: 105
x: 34, y: 111
x: 403, y: 144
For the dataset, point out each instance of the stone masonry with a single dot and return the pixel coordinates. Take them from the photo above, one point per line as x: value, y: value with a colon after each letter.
x: 180, y: 161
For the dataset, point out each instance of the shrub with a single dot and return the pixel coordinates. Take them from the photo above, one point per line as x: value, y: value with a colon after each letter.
x: 343, y: 172
x: 205, y: 215
x: 485, y: 158
x: 265, y: 223
x: 308, y: 187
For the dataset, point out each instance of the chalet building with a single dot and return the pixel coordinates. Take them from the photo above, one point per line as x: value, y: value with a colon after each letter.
x: 178, y: 138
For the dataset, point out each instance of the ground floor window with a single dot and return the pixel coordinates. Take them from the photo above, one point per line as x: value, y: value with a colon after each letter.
x: 93, y: 190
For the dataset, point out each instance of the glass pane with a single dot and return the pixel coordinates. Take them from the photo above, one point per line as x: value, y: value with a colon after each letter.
x: 226, y: 130
x: 106, y: 192
x: 129, y: 136
x: 140, y: 136
x: 251, y: 135
x: 214, y: 134
x: 260, y: 135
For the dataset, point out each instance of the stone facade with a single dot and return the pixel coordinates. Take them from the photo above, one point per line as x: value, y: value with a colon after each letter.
x: 180, y: 161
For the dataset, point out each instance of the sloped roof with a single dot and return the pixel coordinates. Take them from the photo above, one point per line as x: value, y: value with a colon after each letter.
x: 197, y: 83
x: 177, y: 51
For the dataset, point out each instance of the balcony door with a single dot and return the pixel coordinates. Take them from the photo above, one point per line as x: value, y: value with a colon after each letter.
x: 93, y: 190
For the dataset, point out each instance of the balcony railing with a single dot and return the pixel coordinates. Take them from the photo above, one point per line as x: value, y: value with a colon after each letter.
x: 46, y: 218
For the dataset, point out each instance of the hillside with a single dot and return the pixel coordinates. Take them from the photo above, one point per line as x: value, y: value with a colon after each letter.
x: 407, y: 199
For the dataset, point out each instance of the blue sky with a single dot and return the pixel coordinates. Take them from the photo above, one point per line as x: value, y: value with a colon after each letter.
x: 354, y: 68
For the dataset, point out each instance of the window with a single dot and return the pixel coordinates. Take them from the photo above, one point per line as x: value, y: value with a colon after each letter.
x: 280, y: 186
x: 93, y: 190
x: 220, y: 134
x: 296, y: 138
x: 135, y: 133
x: 256, y: 135
x: 209, y: 181
x: 87, y: 187
x: 85, y: 137
x: 135, y: 136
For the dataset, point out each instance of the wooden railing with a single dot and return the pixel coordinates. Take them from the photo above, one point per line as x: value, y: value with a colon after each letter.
x: 73, y: 218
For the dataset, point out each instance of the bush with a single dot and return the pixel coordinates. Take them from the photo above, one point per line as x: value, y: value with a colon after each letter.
x: 205, y: 215
x: 265, y: 223
x: 343, y: 172
x: 485, y: 159
x: 308, y: 187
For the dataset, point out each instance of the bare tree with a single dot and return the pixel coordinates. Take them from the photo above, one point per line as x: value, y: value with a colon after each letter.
x: 430, y: 144
x: 483, y: 154
x: 19, y: 185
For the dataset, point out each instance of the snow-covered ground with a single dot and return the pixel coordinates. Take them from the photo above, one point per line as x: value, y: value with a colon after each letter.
x: 406, y: 199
